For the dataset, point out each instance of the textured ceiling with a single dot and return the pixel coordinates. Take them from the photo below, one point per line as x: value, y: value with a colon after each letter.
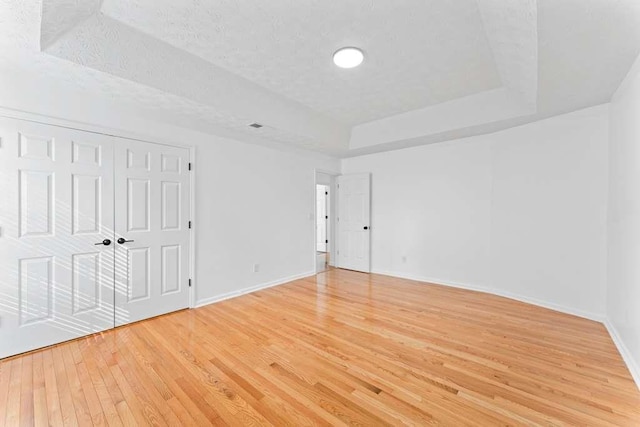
x: 20, y: 52
x: 418, y: 53
x: 435, y: 69
x: 512, y: 31
x: 60, y: 16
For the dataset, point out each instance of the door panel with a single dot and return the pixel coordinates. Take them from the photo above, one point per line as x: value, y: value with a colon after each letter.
x: 170, y: 212
x: 35, y: 194
x: 85, y: 281
x: 85, y: 203
x: 152, y: 210
x: 57, y: 190
x: 170, y: 269
x: 354, y: 216
x: 36, y: 285
x: 138, y: 274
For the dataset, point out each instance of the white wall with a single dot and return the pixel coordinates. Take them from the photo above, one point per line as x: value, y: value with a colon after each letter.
x: 623, y: 287
x: 255, y: 205
x: 520, y: 212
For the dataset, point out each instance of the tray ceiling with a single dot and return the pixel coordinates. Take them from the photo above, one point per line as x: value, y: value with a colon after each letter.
x: 434, y: 70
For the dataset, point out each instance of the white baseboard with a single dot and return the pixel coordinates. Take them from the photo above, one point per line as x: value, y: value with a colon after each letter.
x: 229, y: 295
x: 624, y: 352
x: 546, y: 304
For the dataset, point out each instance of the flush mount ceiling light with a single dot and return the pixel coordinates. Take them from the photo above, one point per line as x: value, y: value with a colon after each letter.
x: 348, y: 57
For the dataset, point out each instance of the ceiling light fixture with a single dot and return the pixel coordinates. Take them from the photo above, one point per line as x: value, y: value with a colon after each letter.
x: 348, y: 57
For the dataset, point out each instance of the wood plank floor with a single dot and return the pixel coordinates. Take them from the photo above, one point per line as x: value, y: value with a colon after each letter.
x: 339, y: 348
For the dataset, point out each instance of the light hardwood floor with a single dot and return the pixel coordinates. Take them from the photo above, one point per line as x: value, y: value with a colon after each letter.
x: 338, y: 348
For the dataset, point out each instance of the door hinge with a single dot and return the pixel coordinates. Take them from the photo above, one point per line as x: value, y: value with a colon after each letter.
x: 326, y: 217
x: 326, y: 241
x: 326, y: 193
x: 189, y: 165
x: 189, y: 224
x: 189, y: 282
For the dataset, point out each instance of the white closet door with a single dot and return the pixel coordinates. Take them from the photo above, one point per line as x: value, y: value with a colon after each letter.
x: 56, y: 186
x: 354, y: 216
x: 152, y: 212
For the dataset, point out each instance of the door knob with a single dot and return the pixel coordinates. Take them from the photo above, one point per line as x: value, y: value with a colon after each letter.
x: 366, y: 228
x: 122, y: 240
x: 105, y: 242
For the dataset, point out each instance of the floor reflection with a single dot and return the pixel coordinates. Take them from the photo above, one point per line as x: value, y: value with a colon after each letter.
x: 322, y: 261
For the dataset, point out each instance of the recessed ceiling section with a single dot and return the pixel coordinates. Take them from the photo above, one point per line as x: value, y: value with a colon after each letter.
x: 107, y: 45
x: 433, y: 70
x: 419, y: 53
x: 271, y: 62
x: 511, y: 30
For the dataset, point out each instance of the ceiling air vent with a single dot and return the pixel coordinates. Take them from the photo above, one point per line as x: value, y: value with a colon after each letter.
x: 255, y: 125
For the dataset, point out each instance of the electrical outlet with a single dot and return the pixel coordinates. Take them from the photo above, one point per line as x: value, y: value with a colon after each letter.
x: 256, y: 268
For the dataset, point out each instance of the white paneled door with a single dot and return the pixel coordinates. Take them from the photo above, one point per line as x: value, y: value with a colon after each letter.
x: 56, y: 186
x: 65, y: 203
x: 152, y: 222
x: 354, y: 222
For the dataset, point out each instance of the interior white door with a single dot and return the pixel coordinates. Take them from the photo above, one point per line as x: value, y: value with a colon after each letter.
x: 152, y: 215
x: 354, y: 217
x: 56, y: 284
x: 321, y: 218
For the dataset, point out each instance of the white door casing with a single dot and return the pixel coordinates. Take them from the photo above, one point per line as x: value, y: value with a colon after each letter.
x: 57, y: 203
x: 152, y: 209
x: 321, y: 218
x: 354, y: 222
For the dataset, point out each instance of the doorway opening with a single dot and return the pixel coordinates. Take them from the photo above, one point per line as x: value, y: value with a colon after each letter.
x: 323, y: 253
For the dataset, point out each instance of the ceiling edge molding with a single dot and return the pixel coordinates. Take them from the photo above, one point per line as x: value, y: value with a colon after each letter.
x: 486, y: 107
x: 469, y: 133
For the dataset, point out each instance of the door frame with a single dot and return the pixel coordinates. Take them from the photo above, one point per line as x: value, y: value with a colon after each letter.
x: 333, y: 206
x: 124, y: 134
x: 327, y: 207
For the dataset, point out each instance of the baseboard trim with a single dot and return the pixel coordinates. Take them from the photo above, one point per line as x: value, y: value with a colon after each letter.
x: 234, y: 294
x: 552, y: 306
x: 633, y: 367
